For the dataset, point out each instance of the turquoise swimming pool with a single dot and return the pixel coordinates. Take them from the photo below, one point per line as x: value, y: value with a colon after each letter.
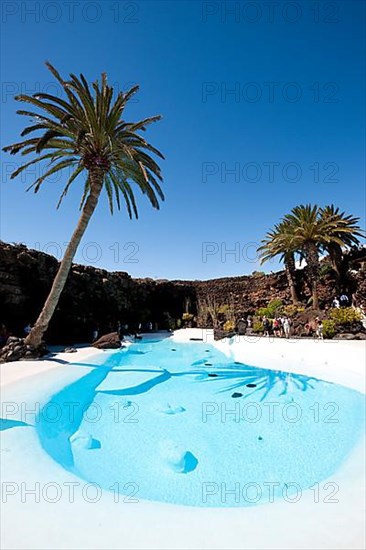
x: 182, y: 423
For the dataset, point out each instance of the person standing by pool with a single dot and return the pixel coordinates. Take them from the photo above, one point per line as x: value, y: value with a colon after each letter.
x: 95, y: 333
x: 281, y: 320
x: 319, y: 328
x: 266, y: 326
x: 308, y: 329
x: 287, y: 327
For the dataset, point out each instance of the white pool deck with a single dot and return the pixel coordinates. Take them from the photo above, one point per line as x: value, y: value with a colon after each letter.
x: 32, y: 521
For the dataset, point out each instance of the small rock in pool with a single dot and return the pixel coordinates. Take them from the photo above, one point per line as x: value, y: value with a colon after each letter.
x: 207, y: 350
x: 177, y: 458
x: 212, y: 375
x: 169, y: 409
x: 81, y: 440
x: 260, y: 438
x: 237, y: 394
x: 208, y: 364
x: 173, y: 349
x: 251, y: 385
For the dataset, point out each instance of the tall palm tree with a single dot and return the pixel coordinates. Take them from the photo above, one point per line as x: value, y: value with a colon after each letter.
x: 304, y: 226
x: 346, y: 230
x: 279, y: 242
x: 85, y: 132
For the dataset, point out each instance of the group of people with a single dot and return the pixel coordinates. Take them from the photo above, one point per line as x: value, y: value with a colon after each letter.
x: 124, y: 329
x: 341, y: 301
x: 281, y: 326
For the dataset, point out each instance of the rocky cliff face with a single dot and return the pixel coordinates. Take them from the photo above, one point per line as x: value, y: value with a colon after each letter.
x: 98, y: 298
x: 92, y: 297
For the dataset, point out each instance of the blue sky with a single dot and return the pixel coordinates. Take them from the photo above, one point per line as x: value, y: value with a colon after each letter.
x: 263, y: 109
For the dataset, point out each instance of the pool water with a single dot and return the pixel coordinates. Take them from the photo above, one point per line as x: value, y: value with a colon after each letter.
x: 182, y: 423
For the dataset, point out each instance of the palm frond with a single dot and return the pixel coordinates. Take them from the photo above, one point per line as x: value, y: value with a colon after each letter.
x: 85, y: 129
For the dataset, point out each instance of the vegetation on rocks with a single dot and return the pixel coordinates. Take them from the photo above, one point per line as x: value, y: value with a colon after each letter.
x: 307, y: 232
x: 329, y: 329
x: 229, y: 326
x: 258, y: 326
x: 272, y: 310
x: 344, y: 316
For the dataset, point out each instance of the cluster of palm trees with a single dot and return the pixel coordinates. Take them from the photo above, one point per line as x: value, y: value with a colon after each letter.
x: 307, y: 232
x: 86, y: 131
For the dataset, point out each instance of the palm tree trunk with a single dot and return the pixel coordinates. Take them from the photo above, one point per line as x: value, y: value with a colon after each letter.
x: 212, y: 309
x: 336, y: 257
x: 35, y: 337
x: 312, y: 259
x: 291, y: 277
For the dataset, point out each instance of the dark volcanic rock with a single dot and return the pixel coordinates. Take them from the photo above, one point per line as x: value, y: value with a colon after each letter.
x: 108, y: 341
x: 219, y: 334
x: 15, y: 349
x: 91, y: 298
x: 351, y: 328
x: 95, y: 298
x: 345, y: 336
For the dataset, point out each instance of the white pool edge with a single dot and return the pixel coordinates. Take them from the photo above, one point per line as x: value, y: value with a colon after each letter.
x: 106, y: 524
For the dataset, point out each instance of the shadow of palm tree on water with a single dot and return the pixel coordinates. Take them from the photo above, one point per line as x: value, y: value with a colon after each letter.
x: 55, y: 436
x: 262, y: 380
x: 6, y: 424
x: 242, y: 376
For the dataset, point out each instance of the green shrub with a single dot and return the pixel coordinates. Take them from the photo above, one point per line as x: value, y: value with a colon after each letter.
x: 187, y: 317
x: 275, y: 307
x: 224, y: 310
x: 344, y: 316
x: 291, y: 310
x: 329, y: 329
x: 229, y: 326
x: 258, y: 326
x: 179, y: 323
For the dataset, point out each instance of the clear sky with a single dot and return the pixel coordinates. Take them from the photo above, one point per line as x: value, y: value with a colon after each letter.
x: 263, y: 106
